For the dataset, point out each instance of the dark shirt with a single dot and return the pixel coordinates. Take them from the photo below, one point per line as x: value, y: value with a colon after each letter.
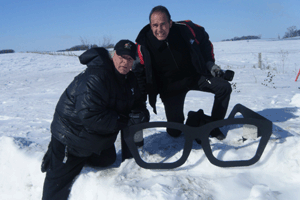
x: 171, y: 59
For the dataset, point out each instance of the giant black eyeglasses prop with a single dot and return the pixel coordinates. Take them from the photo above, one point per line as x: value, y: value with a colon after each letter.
x: 246, y: 139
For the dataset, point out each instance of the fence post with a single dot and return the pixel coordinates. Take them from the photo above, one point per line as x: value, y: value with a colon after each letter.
x: 259, y: 60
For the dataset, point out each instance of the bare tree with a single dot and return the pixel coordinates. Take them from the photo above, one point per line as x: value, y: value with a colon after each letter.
x: 106, y: 42
x: 84, y: 41
x: 292, y: 32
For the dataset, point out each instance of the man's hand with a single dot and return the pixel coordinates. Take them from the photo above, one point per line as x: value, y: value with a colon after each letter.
x: 215, y: 70
x: 138, y: 116
x: 227, y: 75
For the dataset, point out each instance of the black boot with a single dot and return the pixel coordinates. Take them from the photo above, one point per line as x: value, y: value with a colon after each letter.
x: 217, y: 134
x: 198, y: 118
x: 195, y: 119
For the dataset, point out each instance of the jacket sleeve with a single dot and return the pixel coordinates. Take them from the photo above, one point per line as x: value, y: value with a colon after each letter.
x: 139, y: 72
x: 92, y: 107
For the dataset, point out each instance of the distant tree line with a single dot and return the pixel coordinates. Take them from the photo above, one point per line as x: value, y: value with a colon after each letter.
x: 79, y: 48
x: 249, y: 37
x: 7, y: 51
x: 291, y: 32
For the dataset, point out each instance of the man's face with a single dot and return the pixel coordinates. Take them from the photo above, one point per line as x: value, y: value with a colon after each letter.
x: 123, y: 63
x: 160, y: 25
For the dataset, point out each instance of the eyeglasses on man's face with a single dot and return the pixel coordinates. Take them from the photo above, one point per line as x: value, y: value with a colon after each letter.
x: 246, y: 138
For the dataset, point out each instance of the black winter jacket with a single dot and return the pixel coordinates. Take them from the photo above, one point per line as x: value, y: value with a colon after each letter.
x: 86, y: 115
x: 201, y: 51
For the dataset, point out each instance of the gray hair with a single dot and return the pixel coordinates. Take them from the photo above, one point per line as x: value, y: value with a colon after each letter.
x: 112, y: 53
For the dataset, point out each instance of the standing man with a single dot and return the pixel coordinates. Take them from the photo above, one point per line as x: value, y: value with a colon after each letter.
x: 89, y: 115
x: 176, y: 57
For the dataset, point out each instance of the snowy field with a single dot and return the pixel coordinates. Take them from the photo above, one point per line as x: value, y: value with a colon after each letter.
x: 31, y: 84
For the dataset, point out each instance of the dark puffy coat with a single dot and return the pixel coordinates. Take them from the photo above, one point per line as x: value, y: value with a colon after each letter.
x: 201, y: 51
x: 86, y: 115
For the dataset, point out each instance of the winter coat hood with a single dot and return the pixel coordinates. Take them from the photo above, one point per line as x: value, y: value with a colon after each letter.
x: 95, y: 57
x: 141, y: 38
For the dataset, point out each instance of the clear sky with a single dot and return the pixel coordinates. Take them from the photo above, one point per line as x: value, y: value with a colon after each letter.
x: 50, y: 25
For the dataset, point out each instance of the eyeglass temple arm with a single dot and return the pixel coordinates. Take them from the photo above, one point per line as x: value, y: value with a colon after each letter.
x: 246, y: 112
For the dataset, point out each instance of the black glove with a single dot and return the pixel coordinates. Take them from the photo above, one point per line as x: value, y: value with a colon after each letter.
x: 226, y: 75
x: 138, y: 116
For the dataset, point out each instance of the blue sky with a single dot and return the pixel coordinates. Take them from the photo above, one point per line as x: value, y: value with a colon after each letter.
x: 44, y: 25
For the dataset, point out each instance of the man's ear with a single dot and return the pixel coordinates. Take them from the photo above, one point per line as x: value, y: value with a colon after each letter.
x: 171, y: 22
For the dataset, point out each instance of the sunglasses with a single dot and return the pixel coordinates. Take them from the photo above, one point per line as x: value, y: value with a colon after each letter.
x: 246, y: 138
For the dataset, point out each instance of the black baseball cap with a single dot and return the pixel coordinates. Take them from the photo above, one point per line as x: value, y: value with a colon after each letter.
x: 126, y: 47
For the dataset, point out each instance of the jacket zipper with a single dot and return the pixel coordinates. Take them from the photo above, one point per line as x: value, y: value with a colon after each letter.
x: 172, y: 55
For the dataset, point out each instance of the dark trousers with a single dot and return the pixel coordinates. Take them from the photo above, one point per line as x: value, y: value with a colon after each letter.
x: 60, y: 176
x: 174, y: 105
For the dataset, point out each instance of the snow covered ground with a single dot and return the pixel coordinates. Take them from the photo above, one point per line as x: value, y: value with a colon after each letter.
x: 31, y: 84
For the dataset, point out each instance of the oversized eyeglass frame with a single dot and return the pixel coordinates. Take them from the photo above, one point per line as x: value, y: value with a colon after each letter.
x: 264, y: 130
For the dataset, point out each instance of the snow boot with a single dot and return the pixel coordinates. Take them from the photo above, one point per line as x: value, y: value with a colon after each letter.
x: 217, y: 134
x: 195, y: 119
x: 198, y: 118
